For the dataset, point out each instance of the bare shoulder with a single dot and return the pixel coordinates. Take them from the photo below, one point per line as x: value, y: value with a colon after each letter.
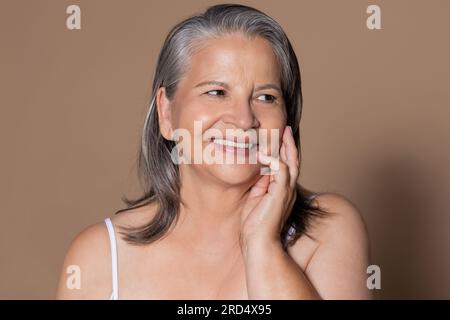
x: 338, y: 258
x: 89, y: 256
x: 86, y: 270
x: 342, y: 219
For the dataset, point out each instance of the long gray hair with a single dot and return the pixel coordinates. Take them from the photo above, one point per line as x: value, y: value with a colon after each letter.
x: 158, y: 174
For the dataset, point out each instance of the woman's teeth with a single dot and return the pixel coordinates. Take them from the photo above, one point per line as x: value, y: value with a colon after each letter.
x: 229, y: 143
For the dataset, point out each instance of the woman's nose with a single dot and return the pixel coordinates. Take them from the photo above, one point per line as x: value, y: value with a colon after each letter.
x: 241, y: 115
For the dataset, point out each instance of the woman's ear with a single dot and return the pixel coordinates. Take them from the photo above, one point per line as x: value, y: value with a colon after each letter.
x: 164, y: 113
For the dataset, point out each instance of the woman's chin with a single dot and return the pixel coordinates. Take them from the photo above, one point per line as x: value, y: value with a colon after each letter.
x: 235, y: 174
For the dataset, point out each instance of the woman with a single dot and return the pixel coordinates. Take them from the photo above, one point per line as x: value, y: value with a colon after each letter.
x: 219, y: 230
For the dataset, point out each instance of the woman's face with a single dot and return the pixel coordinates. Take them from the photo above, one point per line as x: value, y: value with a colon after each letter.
x: 232, y: 83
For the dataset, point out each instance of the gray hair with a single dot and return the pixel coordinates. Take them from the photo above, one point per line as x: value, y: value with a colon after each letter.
x: 159, y: 175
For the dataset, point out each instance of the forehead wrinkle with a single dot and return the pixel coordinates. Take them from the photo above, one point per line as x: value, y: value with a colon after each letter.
x: 234, y: 65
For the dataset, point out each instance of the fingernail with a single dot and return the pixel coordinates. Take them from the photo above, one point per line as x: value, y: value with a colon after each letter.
x: 290, y: 129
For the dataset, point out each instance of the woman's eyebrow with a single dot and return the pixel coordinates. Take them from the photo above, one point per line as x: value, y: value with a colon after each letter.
x: 212, y: 83
x: 268, y: 86
x: 226, y: 86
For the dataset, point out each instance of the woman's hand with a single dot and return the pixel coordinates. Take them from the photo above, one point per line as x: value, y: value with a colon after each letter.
x: 271, y: 198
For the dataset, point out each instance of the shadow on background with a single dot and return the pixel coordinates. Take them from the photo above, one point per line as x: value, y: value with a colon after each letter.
x: 402, y: 205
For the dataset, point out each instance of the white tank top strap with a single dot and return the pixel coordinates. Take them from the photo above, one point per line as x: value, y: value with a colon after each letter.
x: 113, y: 247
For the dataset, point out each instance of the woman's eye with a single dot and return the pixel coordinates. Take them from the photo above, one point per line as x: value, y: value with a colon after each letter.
x: 268, y: 98
x: 216, y: 93
x: 271, y: 98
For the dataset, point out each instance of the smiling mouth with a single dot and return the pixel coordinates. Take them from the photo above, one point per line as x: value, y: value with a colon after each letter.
x: 233, y: 144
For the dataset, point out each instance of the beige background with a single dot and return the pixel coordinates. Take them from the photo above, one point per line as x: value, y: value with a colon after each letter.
x: 375, y: 125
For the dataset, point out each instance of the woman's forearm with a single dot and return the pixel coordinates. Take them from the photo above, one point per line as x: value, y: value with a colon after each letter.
x: 272, y: 274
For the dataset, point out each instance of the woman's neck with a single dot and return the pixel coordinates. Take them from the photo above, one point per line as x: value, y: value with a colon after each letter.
x: 210, y: 212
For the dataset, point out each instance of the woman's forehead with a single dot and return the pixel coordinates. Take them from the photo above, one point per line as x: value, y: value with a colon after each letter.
x: 234, y: 56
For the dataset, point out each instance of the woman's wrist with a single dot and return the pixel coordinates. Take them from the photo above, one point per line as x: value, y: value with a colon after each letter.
x: 260, y: 245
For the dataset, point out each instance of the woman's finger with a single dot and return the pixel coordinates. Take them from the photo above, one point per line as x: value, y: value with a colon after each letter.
x: 283, y: 152
x: 278, y: 169
x: 291, y: 155
x: 260, y: 187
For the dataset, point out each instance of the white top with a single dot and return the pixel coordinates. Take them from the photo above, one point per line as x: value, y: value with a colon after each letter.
x: 113, y: 246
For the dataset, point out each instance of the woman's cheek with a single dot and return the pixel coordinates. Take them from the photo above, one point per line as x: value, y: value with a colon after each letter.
x: 273, y: 123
